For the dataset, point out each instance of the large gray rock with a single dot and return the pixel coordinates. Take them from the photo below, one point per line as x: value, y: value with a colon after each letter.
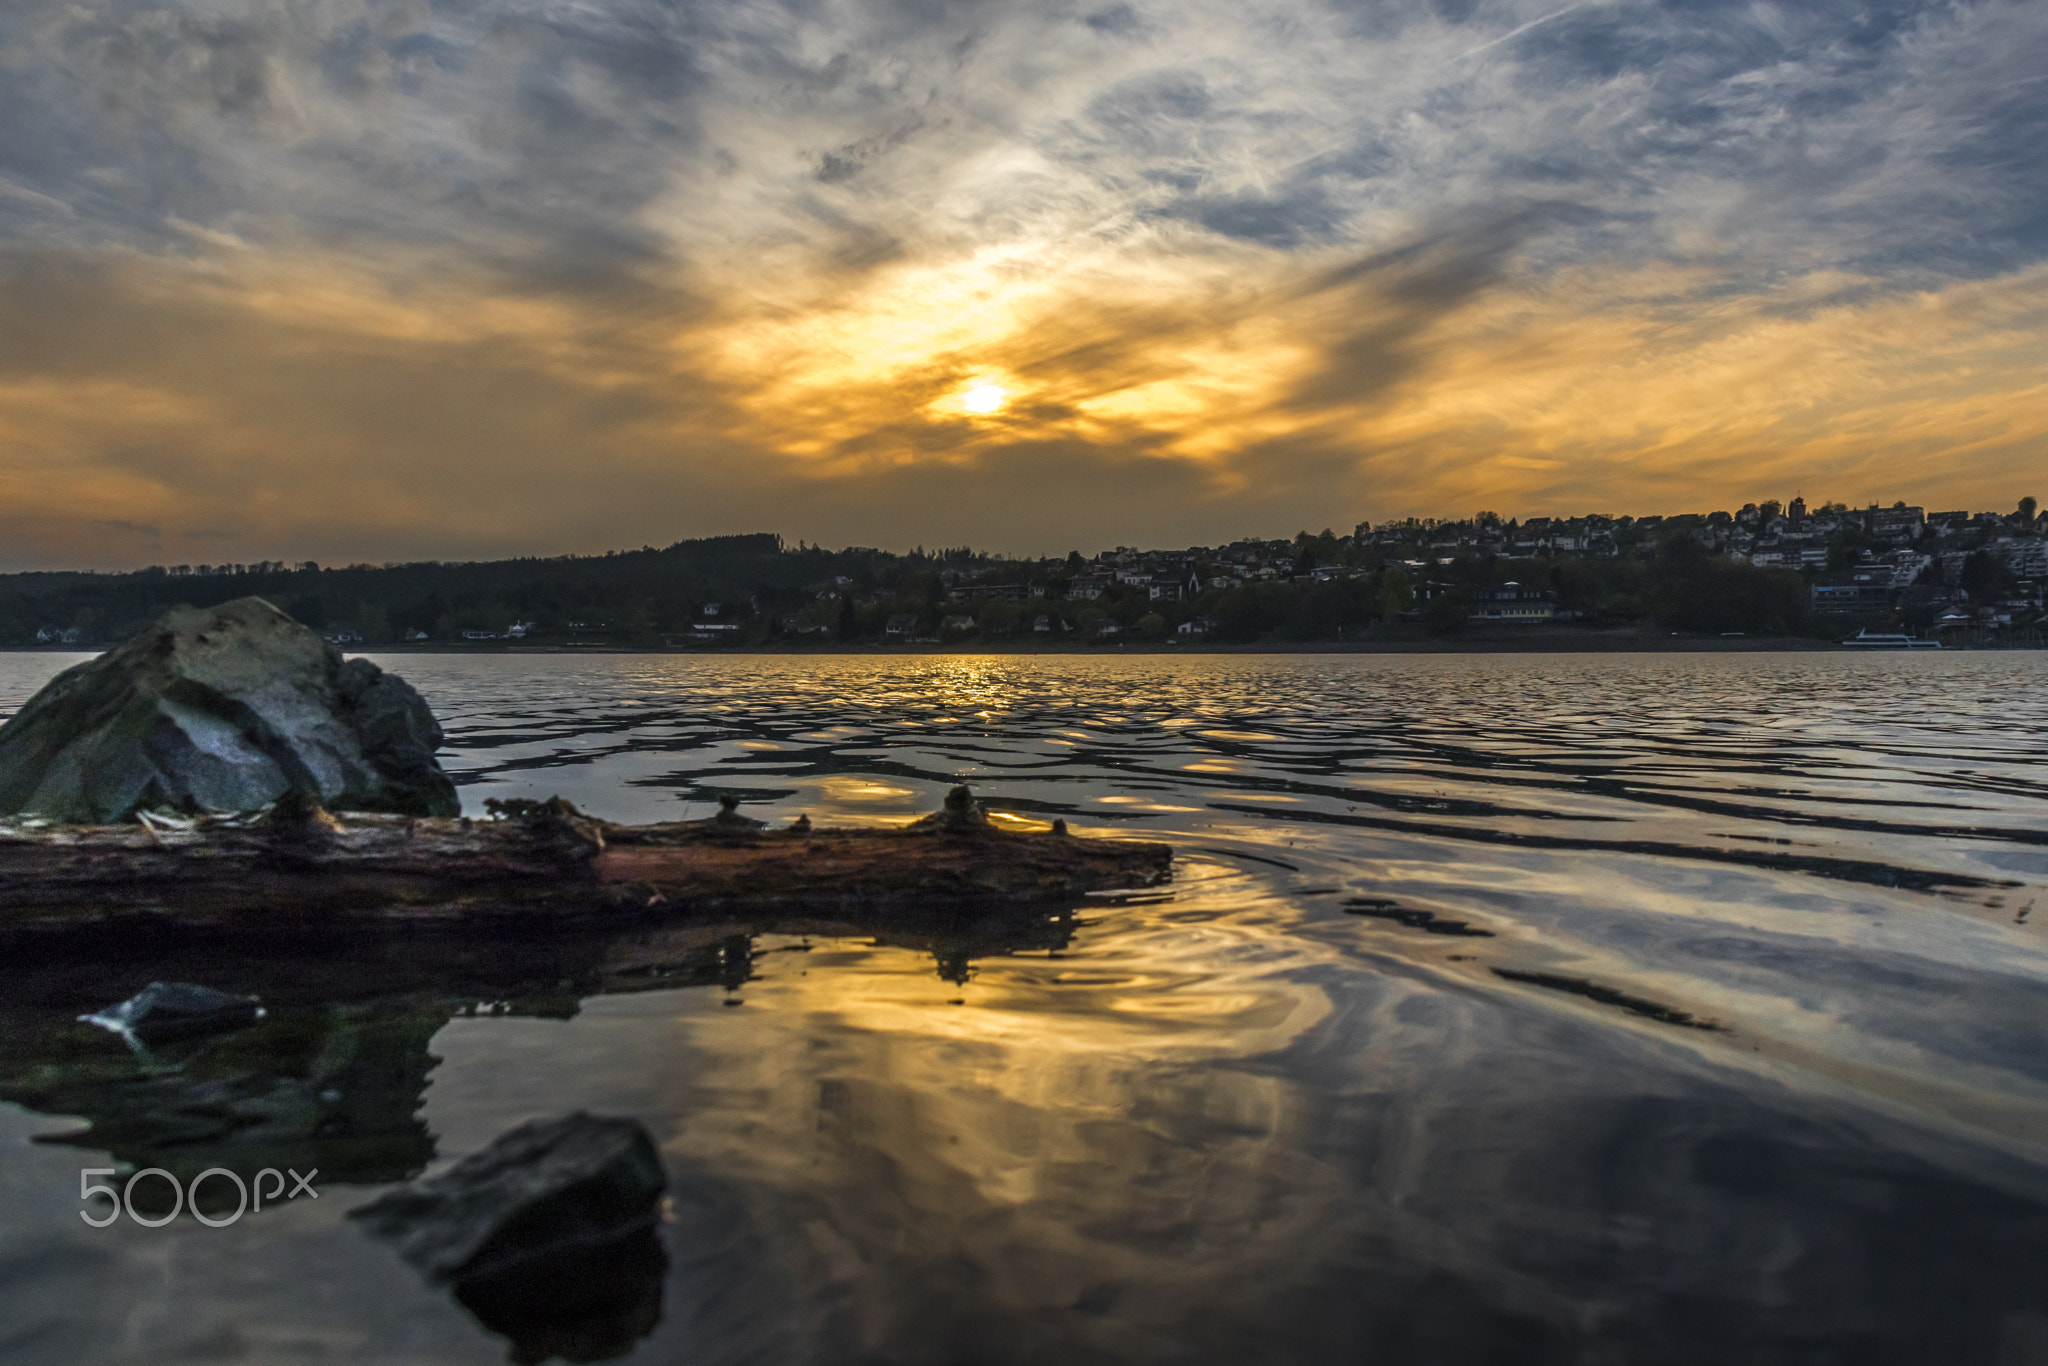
x: 222, y: 709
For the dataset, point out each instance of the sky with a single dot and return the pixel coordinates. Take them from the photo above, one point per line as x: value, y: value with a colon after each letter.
x: 351, y: 280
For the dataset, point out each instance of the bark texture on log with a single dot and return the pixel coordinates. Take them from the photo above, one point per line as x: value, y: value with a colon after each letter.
x: 314, y: 870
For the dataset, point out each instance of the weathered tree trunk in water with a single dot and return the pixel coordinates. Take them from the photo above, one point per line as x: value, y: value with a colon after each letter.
x: 310, y: 870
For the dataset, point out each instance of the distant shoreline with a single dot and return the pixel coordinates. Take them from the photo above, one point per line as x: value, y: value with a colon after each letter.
x: 1539, y: 641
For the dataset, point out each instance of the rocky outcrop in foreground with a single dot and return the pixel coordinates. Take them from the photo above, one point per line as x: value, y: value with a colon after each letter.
x: 222, y: 709
x: 227, y: 773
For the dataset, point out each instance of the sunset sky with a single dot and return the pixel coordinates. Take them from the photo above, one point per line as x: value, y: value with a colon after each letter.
x: 352, y: 280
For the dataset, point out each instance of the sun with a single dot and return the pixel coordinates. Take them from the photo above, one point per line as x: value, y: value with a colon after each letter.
x: 984, y: 398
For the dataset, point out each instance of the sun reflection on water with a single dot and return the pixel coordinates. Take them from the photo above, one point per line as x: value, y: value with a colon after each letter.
x: 1286, y: 1108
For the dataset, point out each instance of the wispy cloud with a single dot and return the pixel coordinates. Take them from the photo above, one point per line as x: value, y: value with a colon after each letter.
x: 1518, y: 30
x: 385, y: 278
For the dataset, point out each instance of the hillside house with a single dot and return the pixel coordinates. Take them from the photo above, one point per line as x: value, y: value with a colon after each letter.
x: 1515, y: 602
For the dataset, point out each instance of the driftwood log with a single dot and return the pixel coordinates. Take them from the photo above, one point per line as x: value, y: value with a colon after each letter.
x: 303, y: 868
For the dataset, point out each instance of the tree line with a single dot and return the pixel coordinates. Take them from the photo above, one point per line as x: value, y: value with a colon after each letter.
x: 757, y: 590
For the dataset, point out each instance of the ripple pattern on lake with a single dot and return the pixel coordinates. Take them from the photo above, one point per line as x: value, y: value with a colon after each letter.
x: 1635, y: 1009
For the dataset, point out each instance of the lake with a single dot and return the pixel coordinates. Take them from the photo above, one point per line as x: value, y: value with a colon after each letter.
x: 1503, y: 1008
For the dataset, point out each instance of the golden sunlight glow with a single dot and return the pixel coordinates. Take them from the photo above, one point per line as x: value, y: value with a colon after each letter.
x: 1594, y: 387
x: 1583, y: 388
x: 828, y: 375
x: 984, y: 398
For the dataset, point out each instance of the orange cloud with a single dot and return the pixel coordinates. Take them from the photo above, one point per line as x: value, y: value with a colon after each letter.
x: 261, y: 405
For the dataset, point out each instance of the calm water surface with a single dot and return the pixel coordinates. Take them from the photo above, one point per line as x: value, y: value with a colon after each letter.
x: 1503, y: 1008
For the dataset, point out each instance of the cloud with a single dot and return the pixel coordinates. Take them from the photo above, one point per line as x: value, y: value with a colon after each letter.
x: 375, y: 278
x: 430, y: 429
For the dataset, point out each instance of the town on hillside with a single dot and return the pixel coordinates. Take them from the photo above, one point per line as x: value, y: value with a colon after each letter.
x: 1770, y: 569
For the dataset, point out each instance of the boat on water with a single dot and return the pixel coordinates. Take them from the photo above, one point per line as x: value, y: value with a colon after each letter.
x: 1889, y: 640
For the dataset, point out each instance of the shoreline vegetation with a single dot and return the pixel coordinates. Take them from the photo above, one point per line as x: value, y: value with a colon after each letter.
x: 1524, y: 641
x: 1801, y: 579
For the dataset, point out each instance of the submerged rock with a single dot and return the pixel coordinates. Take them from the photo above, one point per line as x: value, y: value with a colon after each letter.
x: 543, y: 1191
x: 163, y: 1011
x: 229, y: 708
x: 584, y: 1304
x: 548, y: 1236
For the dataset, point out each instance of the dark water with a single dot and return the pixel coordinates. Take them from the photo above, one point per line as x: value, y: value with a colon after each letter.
x: 1503, y: 1009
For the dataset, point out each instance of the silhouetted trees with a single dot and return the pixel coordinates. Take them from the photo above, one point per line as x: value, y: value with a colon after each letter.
x: 1412, y: 577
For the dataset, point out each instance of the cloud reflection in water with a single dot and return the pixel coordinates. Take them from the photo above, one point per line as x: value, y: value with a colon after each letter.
x: 1242, y: 1125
